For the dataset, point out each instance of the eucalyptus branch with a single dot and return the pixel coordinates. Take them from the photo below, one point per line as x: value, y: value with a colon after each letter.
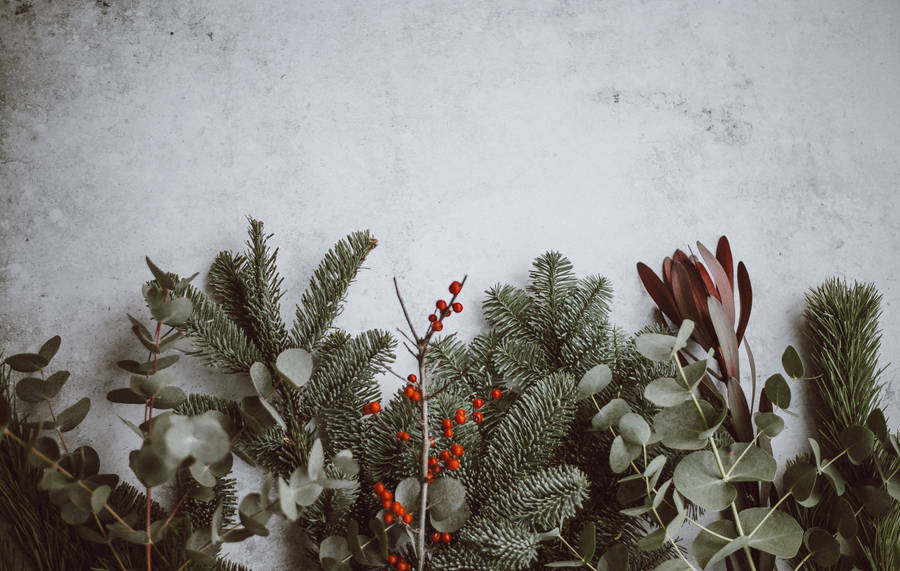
x: 575, y: 552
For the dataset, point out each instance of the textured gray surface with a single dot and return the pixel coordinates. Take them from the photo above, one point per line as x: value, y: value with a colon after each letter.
x: 469, y: 136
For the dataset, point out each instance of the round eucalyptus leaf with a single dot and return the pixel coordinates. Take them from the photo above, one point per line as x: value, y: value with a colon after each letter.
x: 834, y: 476
x: 732, y: 546
x: 306, y: 490
x: 594, y: 381
x: 666, y: 391
x: 286, y: 500
x: 634, y: 429
x: 452, y: 522
x: 655, y: 465
x: 677, y: 564
x: 169, y: 397
x: 31, y: 389
x: 316, y: 460
x: 778, y: 391
x: 621, y: 454
x: 295, y: 366
x: 779, y: 534
x: 200, y: 547
x: 446, y: 496
x: 72, y: 416
x: 655, y: 346
x: 254, y: 515
x: 653, y: 540
x: 792, y: 363
x: 201, y: 474
x: 682, y: 427
x: 825, y: 549
x: 694, y: 373
x: 878, y: 425
x: 745, y: 463
x: 74, y: 515
x: 99, y: 497
x: 125, y: 396
x: 587, y: 541
x: 893, y: 486
x: 843, y: 517
x: 151, y: 385
x: 151, y: 468
x: 616, y: 557
x: 407, y: 493
x: 334, y: 547
x: 162, y: 278
x: 48, y: 350
x: 697, y: 478
x: 260, y: 415
x: 800, y: 479
x: 83, y: 461
x: 610, y: 414
x: 874, y: 499
x: 26, y: 362
x: 859, y: 442
x: 769, y: 423
x: 262, y: 379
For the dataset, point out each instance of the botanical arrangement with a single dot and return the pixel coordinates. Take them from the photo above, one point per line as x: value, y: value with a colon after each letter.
x: 552, y: 440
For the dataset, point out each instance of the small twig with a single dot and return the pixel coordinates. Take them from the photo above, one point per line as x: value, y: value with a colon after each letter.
x: 412, y: 327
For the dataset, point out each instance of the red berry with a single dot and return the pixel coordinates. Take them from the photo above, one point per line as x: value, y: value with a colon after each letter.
x: 430, y: 479
x: 392, y: 559
x: 417, y: 396
x: 407, y: 518
x: 386, y: 504
x: 409, y: 391
x: 404, y: 436
x: 436, y: 536
x: 435, y: 469
x: 376, y: 407
x: 453, y: 464
x: 437, y: 325
x: 455, y: 287
x: 446, y: 423
x: 379, y: 487
x: 445, y: 537
x: 412, y: 378
x: 402, y: 566
x: 496, y: 393
x: 457, y: 307
x: 456, y: 450
x: 460, y: 420
x: 478, y: 417
x: 444, y: 455
x: 387, y: 495
x: 388, y: 517
x: 441, y: 304
x: 432, y: 461
x: 448, y: 433
x: 478, y: 403
x: 433, y: 441
x: 460, y: 412
x: 432, y: 318
x: 398, y: 508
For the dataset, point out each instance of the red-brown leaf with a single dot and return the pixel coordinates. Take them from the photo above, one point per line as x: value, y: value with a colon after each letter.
x: 660, y: 294
x: 667, y: 272
x: 746, y: 292
x: 690, y: 296
x: 707, y: 281
x: 723, y: 254
x: 726, y: 293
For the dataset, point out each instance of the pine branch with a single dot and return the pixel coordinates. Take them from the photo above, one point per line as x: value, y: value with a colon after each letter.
x: 322, y: 301
x: 217, y: 338
x: 543, y: 499
x: 263, y: 285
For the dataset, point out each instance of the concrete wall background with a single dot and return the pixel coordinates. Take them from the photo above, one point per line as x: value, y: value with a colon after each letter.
x: 468, y: 136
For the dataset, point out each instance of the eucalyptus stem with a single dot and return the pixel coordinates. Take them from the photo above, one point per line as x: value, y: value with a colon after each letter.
x: 575, y: 552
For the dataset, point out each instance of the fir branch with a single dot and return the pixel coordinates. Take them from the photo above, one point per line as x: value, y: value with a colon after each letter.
x: 217, y: 338
x: 552, y: 285
x: 263, y: 285
x: 543, y: 499
x: 227, y: 278
x: 323, y: 299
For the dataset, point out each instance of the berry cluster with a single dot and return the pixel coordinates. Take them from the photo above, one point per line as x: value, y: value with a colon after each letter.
x: 411, y: 391
x: 373, y: 407
x: 399, y: 563
x: 444, y: 309
x: 392, y: 509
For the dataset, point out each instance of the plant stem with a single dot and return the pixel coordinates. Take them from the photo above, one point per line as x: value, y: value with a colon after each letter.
x: 575, y: 553
x: 53, y: 416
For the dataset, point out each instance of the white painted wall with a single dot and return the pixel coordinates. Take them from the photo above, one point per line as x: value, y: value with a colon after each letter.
x: 468, y: 136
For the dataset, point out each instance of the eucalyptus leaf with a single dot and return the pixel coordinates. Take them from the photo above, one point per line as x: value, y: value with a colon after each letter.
x: 769, y: 423
x: 125, y: 396
x: 446, y: 496
x: 26, y: 362
x: 407, y: 493
x: 634, y: 429
x: 344, y: 462
x: 260, y: 415
x: 286, y: 500
x: 682, y: 427
x: 49, y: 348
x: 859, y: 442
x: 792, y: 363
x: 295, y: 366
x: 262, y: 379
x: 655, y: 346
x: 875, y: 500
x: 452, y: 522
x: 843, y: 516
x: 316, y: 460
x: 334, y: 548
x: 745, y: 463
x: 593, y: 382
x: 697, y: 478
x: 98, y: 498
x: 587, y: 541
x: 621, y: 454
x: 800, y: 478
x: 778, y: 533
x: 778, y: 391
x: 306, y: 489
x: 825, y: 549
x: 72, y: 416
x: 666, y: 391
x: 610, y: 414
x: 162, y: 278
x: 254, y: 514
x: 615, y: 559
